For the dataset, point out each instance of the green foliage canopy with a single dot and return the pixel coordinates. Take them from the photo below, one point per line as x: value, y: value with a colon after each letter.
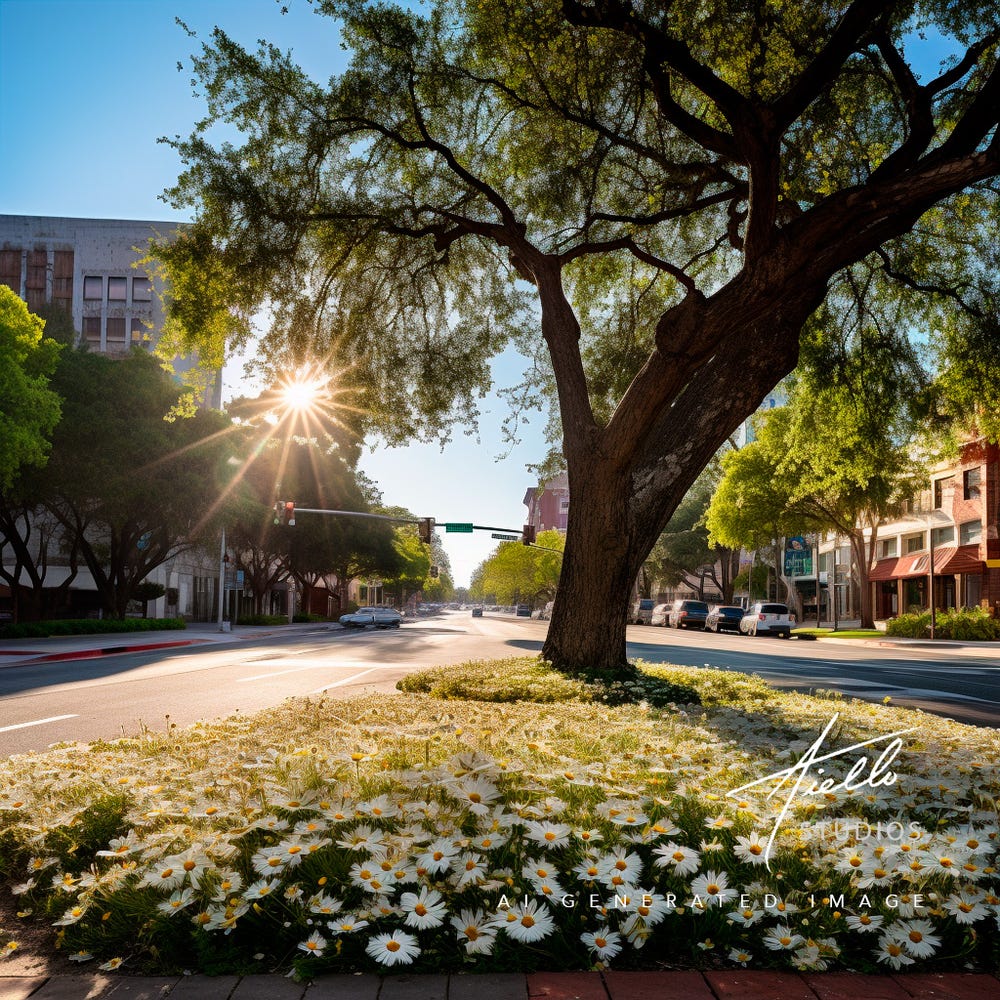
x: 29, y: 408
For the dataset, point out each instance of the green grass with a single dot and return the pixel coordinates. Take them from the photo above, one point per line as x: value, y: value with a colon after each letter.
x: 843, y: 633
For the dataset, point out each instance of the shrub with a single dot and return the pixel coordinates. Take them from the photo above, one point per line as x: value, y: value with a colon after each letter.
x: 910, y: 626
x: 88, y: 626
x: 968, y: 624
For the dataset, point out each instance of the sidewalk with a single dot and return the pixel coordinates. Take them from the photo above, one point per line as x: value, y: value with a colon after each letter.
x: 728, y: 985
x: 80, y: 647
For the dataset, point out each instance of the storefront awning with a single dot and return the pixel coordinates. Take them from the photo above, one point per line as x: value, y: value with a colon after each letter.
x: 948, y: 560
x: 883, y: 570
x: 964, y: 559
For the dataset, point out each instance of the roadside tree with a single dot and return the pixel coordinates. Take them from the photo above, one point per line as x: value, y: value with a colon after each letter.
x: 651, y: 200
x: 685, y: 554
x: 29, y: 408
x: 128, y: 488
x: 517, y: 573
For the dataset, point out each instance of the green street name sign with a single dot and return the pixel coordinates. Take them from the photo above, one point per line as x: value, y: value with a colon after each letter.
x: 464, y: 528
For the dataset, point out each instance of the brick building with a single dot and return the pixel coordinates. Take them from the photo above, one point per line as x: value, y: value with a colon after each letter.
x: 958, y: 515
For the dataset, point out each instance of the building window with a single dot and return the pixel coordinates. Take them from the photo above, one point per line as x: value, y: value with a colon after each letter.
x: 116, y: 331
x: 940, y: 486
x: 943, y: 536
x: 62, y: 278
x: 92, y: 330
x: 971, y: 533
x: 93, y: 288
x: 141, y: 290
x: 971, y: 480
x: 914, y: 543
x: 139, y: 333
x: 116, y: 289
x: 888, y: 548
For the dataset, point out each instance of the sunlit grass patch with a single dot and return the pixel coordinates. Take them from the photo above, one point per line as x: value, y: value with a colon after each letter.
x: 435, y: 834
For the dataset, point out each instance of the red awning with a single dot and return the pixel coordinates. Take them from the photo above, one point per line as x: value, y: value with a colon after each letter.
x: 913, y: 565
x: 964, y: 559
x: 948, y: 560
x: 883, y: 570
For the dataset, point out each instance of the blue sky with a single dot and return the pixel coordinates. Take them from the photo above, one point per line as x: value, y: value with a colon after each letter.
x: 86, y: 89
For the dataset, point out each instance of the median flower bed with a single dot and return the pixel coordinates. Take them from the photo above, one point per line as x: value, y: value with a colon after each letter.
x: 416, y: 833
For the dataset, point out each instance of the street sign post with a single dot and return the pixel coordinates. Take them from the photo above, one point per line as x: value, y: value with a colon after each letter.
x: 463, y: 527
x: 506, y: 538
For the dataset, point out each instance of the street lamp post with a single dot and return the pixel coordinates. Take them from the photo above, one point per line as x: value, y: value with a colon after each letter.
x: 222, y: 583
x: 930, y: 567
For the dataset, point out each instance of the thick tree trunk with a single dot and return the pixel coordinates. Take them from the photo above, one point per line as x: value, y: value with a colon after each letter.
x: 587, y: 630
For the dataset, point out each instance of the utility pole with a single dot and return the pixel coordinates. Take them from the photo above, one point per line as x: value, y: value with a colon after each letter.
x: 222, y: 584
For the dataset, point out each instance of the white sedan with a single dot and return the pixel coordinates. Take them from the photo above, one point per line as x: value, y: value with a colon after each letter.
x: 379, y: 617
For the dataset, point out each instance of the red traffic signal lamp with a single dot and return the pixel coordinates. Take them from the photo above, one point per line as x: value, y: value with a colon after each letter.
x: 528, y: 535
x: 284, y: 512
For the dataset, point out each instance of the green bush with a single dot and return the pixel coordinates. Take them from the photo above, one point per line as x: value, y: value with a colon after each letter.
x: 968, y: 624
x: 88, y: 626
x: 909, y: 626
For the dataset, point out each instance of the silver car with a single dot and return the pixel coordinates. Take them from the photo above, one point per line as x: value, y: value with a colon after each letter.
x: 379, y: 617
x: 767, y: 618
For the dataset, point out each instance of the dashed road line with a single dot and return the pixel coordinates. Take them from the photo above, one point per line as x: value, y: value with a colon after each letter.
x: 37, y: 722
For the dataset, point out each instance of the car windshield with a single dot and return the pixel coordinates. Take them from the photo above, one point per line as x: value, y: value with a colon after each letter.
x: 696, y: 606
x: 774, y: 609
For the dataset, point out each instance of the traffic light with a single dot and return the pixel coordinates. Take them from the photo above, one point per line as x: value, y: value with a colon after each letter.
x: 284, y: 512
x: 528, y: 534
x: 426, y: 529
x: 434, y: 572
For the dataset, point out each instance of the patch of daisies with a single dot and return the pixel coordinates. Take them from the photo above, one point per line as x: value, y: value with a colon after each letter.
x: 384, y: 833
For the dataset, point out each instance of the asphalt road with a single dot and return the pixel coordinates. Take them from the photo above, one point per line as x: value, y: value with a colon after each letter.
x: 116, y: 695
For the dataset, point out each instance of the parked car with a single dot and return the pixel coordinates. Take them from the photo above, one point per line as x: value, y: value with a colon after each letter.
x: 642, y: 611
x: 379, y: 617
x: 523, y: 611
x: 766, y: 618
x: 688, y: 614
x: 477, y: 612
x: 724, y: 618
x: 660, y: 615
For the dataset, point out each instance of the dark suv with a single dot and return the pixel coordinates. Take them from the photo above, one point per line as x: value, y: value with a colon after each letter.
x: 688, y: 614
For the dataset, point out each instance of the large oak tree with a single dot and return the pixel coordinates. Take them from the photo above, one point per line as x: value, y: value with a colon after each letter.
x: 652, y: 199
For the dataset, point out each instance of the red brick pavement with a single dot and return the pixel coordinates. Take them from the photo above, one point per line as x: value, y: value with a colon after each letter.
x: 728, y: 985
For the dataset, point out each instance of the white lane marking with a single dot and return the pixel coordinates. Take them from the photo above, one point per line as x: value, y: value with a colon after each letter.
x: 295, y: 670
x: 347, y: 680
x: 37, y: 722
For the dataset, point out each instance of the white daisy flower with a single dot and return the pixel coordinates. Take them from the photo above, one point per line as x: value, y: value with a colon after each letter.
x: 782, y: 938
x: 476, y: 930
x: 604, y: 942
x: 397, y: 948
x: 683, y: 860
x: 891, y: 952
x: 527, y: 922
x: 424, y: 909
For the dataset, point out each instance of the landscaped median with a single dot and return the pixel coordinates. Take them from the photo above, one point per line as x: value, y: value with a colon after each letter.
x: 462, y: 830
